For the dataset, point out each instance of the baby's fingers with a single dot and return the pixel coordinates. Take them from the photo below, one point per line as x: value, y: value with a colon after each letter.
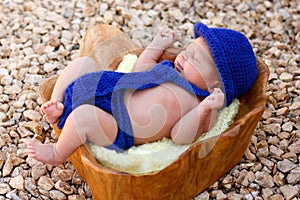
x: 167, y: 32
x: 217, y: 99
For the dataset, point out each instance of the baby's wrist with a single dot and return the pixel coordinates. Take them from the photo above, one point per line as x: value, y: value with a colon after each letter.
x: 204, y: 108
x: 155, y: 47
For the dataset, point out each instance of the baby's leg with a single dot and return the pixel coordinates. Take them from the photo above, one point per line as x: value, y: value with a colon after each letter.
x: 80, y: 66
x: 86, y: 122
x: 45, y: 153
x: 75, y: 69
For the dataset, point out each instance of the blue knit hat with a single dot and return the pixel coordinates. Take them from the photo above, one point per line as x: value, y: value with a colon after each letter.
x: 233, y: 56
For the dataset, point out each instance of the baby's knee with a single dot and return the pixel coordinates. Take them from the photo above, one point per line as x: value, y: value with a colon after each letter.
x: 95, y: 125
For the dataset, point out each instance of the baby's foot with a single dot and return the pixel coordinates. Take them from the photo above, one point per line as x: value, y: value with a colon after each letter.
x: 53, y: 110
x: 45, y: 153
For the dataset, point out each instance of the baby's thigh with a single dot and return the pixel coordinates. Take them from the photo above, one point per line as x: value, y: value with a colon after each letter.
x: 98, y: 126
x: 82, y: 65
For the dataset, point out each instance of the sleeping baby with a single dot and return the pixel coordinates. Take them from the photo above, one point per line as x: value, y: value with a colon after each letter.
x: 178, y: 100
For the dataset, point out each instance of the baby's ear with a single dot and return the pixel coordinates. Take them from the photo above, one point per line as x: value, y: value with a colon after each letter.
x: 215, y: 84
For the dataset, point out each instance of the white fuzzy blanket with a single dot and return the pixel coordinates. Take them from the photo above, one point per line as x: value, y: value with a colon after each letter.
x: 152, y: 157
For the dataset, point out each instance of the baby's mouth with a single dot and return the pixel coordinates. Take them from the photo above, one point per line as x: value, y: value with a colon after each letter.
x: 178, y: 67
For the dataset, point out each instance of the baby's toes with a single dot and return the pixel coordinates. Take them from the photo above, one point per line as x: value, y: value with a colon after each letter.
x: 46, y: 105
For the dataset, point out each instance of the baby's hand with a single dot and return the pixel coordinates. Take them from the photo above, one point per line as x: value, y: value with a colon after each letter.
x: 215, y: 100
x: 164, y: 38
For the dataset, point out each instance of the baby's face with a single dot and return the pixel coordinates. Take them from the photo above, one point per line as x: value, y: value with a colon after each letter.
x: 196, y: 65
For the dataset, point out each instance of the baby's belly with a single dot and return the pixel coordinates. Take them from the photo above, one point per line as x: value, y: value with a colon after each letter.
x: 154, y: 112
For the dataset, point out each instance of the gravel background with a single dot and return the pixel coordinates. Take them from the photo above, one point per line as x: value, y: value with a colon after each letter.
x: 38, y: 38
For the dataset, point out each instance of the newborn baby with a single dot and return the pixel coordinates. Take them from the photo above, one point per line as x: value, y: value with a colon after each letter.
x: 179, y: 100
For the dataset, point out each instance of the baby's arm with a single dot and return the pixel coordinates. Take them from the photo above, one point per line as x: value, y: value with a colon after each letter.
x: 149, y: 57
x: 198, y: 120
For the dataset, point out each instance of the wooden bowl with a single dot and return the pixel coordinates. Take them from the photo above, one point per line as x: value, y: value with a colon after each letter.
x: 196, y: 169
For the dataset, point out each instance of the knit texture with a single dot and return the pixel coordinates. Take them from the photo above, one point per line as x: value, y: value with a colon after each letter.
x: 106, y: 90
x: 233, y: 56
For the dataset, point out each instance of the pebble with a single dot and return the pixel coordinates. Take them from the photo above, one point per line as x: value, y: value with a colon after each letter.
x: 286, y: 165
x: 295, y: 106
x: 293, y: 178
x: 45, y: 183
x: 286, y: 77
x: 64, y: 187
x: 32, y: 115
x: 289, y: 191
x: 264, y: 179
x: 276, y: 151
x: 4, y: 188
x: 58, y: 195
x: 266, y: 193
x: 30, y: 186
x: 17, y: 182
x: 38, y: 170
x: 65, y: 175
x: 8, y: 166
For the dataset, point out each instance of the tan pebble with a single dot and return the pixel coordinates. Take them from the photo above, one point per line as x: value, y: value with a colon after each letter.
x: 17, y: 161
x: 76, y: 197
x: 176, y: 13
x: 276, y: 151
x: 108, y: 16
x: 289, y: 191
x: 45, y: 183
x: 295, y: 106
x: 289, y: 155
x: 295, y: 147
x: 30, y: 6
x: 279, y: 179
x: 273, y: 76
x: 4, y: 188
x: 288, y: 127
x: 282, y: 111
x: 76, y: 179
x: 56, y: 194
x: 293, y: 178
x: 286, y: 165
x: 2, y: 159
x: 267, y: 113
x: 65, y: 175
x: 286, y: 76
x: 297, y: 37
x: 32, y: 115
x: 264, y: 179
x: 54, y: 42
x: 38, y: 170
x: 272, y: 128
x: 17, y: 182
x: 64, y: 187
x: 249, y: 155
x: 12, y: 89
x: 266, y: 193
x: 8, y: 166
x: 281, y: 95
x: 297, y: 84
x: 276, y: 197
